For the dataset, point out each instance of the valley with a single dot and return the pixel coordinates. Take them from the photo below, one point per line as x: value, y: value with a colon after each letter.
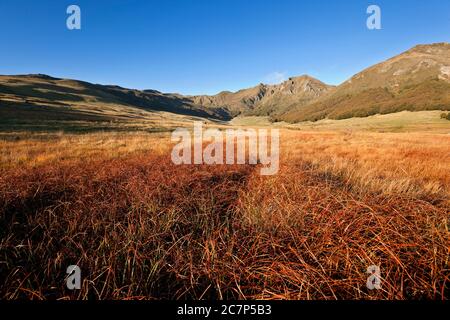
x: 416, y: 80
x: 362, y: 179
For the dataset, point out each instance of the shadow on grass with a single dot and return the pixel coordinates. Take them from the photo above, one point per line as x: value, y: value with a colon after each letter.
x: 137, y: 227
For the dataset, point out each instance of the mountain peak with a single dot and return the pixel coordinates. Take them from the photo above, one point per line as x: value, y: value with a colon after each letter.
x: 434, y: 45
x: 302, y: 77
x: 39, y: 76
x: 430, y: 48
x: 418, y: 79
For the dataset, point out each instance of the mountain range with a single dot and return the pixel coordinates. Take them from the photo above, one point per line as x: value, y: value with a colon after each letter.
x: 418, y: 79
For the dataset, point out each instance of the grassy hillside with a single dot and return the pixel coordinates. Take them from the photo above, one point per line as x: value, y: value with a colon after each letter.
x: 43, y: 98
x: 433, y: 94
x: 418, y: 79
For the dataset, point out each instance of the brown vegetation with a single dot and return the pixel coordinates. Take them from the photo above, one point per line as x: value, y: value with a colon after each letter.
x: 142, y: 228
x: 430, y: 95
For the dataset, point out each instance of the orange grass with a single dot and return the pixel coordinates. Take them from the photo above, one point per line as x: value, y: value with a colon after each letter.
x: 142, y: 228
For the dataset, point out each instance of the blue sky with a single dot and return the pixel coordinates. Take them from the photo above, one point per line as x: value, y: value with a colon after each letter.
x: 206, y: 46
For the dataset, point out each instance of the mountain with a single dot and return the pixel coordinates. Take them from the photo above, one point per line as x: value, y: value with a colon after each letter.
x: 264, y: 100
x: 418, y: 79
x: 44, y: 97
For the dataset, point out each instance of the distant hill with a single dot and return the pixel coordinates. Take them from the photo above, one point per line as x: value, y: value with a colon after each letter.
x: 48, y: 98
x: 418, y: 79
x: 32, y: 95
x: 264, y: 100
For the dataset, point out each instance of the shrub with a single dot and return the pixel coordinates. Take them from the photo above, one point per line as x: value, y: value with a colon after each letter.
x: 445, y: 116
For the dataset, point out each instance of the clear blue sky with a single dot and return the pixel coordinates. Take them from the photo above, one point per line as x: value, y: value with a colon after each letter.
x: 206, y: 46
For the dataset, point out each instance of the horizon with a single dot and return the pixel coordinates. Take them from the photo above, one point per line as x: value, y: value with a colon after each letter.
x: 222, y: 91
x: 238, y: 50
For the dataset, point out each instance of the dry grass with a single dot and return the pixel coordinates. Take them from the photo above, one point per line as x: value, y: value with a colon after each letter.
x: 142, y: 228
x: 408, y: 164
x: 31, y: 150
x: 345, y: 201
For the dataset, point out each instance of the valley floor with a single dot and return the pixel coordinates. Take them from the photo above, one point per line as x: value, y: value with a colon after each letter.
x: 429, y: 121
x: 140, y: 227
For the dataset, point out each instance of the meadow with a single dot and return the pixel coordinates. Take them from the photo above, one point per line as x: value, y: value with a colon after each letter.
x: 141, y: 227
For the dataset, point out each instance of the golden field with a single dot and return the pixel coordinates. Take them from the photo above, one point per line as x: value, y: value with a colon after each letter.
x: 142, y: 228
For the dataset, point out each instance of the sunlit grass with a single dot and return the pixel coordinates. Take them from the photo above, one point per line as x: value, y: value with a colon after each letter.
x: 142, y: 228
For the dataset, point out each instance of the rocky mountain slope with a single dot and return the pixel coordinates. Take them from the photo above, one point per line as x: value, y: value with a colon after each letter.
x: 265, y: 99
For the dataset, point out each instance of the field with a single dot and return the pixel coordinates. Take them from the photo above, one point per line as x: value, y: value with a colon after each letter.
x: 423, y: 121
x: 141, y: 227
